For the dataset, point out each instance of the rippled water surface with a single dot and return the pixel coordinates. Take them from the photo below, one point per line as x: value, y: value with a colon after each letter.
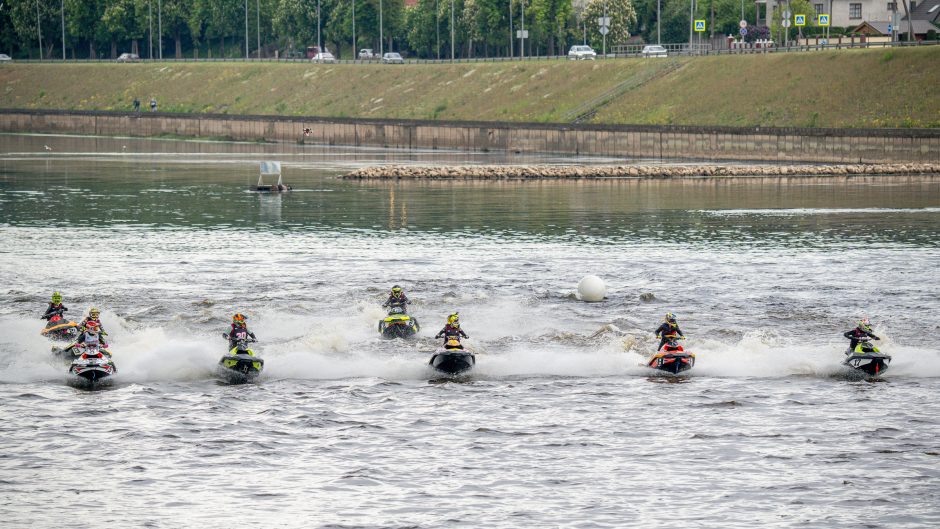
x: 558, y: 426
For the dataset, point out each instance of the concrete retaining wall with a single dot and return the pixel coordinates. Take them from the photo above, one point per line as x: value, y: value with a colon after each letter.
x: 700, y: 143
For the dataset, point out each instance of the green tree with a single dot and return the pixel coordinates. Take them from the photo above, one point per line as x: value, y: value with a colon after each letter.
x: 796, y: 7
x: 622, y: 19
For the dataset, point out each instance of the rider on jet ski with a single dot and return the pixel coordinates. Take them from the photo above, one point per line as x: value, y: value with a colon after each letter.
x: 239, y: 331
x: 91, y: 334
x: 55, y: 307
x: 397, y: 298
x: 452, y: 331
x: 861, y: 331
x: 94, y: 316
x: 668, y: 330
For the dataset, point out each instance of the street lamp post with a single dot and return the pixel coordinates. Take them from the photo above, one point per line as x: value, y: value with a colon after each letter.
x: 62, y: 7
x: 160, y: 29
x: 354, y: 29
x: 659, y: 24
x: 39, y: 29
x: 150, y: 26
x: 511, y: 41
x: 522, y: 35
x: 246, y: 29
x: 319, y: 45
x: 381, y: 44
x: 451, y: 30
x: 258, y: 24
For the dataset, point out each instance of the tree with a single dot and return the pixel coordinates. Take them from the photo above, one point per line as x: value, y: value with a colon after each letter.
x: 622, y: 20
x: 795, y: 7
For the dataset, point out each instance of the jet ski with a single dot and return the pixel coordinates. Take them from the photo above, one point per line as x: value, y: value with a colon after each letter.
x: 453, y: 359
x: 867, y: 359
x: 672, y: 358
x: 398, y: 324
x: 91, y: 364
x: 59, y: 329
x: 241, y: 364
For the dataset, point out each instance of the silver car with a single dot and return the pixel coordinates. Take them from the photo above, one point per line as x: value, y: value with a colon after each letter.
x: 582, y: 53
x: 325, y: 57
x: 128, y: 57
x: 654, y: 51
x: 4, y: 57
x: 392, y: 58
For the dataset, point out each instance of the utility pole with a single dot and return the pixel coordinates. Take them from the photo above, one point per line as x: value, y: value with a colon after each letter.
x: 354, y: 30
x: 39, y: 29
x: 659, y: 22
x: 62, y: 7
x: 437, y: 24
x: 381, y: 44
x: 512, y: 52
x: 258, y: 22
x: 160, y: 29
x: 452, y: 31
x: 605, y: 33
x: 691, y: 22
x: 150, y: 26
x: 246, y: 29
x: 319, y: 45
x: 522, y: 35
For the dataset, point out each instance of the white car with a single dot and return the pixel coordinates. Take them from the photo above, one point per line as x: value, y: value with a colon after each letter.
x: 654, y: 51
x: 366, y: 54
x: 128, y: 57
x: 4, y: 57
x: 582, y: 53
x: 324, y: 57
x: 392, y: 58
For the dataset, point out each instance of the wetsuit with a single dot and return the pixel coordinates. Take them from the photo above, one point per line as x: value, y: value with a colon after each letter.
x: 449, y: 332
x: 854, y: 336
x: 81, y: 326
x: 665, y: 330
x: 400, y: 301
x: 237, y: 334
x: 53, y: 310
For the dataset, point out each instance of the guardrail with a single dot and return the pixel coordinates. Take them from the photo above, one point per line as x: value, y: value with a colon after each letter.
x: 678, y: 51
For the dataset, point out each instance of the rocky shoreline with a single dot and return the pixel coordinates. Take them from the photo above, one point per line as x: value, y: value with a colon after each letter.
x: 591, y: 172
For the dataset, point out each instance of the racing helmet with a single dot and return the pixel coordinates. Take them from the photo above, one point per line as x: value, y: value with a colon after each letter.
x: 865, y: 324
x: 239, y: 320
x: 671, y: 319
x: 396, y: 291
x: 453, y: 320
x: 56, y: 298
x: 93, y: 313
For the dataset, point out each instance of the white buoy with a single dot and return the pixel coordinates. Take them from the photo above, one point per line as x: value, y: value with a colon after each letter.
x: 592, y: 288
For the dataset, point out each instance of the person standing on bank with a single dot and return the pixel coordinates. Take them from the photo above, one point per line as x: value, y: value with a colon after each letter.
x: 153, y: 104
x: 136, y: 105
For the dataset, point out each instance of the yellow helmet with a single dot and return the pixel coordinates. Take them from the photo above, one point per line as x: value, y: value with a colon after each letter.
x: 93, y: 312
x: 453, y: 319
x: 56, y: 298
x: 396, y: 291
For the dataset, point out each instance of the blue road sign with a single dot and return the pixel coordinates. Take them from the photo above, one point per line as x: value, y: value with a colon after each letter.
x: 743, y: 31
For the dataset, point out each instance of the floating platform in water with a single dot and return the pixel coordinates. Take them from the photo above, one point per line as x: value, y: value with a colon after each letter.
x: 271, y: 169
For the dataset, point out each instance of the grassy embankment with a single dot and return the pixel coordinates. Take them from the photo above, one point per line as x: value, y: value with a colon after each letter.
x: 859, y: 88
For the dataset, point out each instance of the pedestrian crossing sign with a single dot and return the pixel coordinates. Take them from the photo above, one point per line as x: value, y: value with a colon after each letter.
x: 799, y: 20
x: 823, y: 20
x: 700, y: 25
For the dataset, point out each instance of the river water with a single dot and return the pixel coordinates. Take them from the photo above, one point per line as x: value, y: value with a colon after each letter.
x: 558, y: 426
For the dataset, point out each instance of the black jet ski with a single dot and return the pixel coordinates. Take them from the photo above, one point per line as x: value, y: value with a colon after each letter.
x: 241, y: 364
x: 398, y: 324
x: 453, y: 359
x: 672, y: 358
x: 867, y: 359
x: 58, y: 328
x: 91, y: 364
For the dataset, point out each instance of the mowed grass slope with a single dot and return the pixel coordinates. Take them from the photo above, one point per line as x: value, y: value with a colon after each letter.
x: 863, y: 88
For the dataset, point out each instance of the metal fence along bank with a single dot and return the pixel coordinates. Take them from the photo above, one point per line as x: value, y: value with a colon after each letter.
x: 626, y: 141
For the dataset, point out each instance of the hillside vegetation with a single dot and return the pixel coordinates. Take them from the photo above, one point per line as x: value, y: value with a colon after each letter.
x: 858, y: 88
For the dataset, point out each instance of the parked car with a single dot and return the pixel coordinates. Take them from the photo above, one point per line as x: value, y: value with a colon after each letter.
x: 4, y: 57
x: 582, y: 53
x: 128, y: 57
x: 654, y: 51
x: 325, y: 57
x: 392, y: 58
x: 366, y: 54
